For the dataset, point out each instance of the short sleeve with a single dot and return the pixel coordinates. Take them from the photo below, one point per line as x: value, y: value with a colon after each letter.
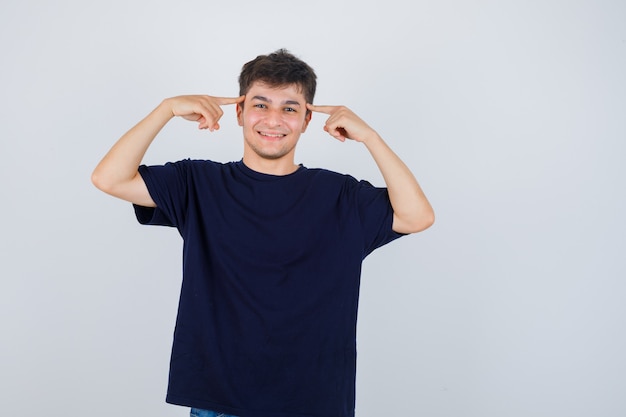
x: 167, y: 185
x: 376, y: 216
x: 152, y: 216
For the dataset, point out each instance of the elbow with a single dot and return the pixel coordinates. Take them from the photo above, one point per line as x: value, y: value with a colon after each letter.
x: 416, y: 223
x: 424, y: 221
x: 430, y: 220
x: 100, y: 182
x: 96, y: 180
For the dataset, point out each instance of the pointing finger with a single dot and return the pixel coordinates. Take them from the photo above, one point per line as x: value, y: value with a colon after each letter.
x: 222, y: 101
x: 321, y: 109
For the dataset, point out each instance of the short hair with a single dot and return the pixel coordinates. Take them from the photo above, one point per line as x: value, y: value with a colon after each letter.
x: 278, y: 69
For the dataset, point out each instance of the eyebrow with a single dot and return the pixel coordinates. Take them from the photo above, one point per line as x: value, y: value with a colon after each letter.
x: 267, y: 100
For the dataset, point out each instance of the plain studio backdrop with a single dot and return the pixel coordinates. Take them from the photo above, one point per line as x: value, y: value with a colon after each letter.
x: 512, y: 115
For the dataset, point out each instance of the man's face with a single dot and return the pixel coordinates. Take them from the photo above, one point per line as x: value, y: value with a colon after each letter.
x: 272, y: 120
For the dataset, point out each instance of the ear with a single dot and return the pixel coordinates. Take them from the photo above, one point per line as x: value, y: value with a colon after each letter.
x: 240, y: 114
x: 307, y: 119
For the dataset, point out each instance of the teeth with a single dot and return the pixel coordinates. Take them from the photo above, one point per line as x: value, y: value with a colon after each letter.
x: 272, y: 135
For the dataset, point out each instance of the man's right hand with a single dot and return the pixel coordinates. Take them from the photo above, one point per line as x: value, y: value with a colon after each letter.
x: 206, y: 110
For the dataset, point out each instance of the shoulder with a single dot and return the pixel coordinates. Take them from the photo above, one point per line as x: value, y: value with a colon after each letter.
x: 195, y: 166
x: 182, y: 173
x: 323, y: 174
x: 198, y: 164
x: 345, y: 181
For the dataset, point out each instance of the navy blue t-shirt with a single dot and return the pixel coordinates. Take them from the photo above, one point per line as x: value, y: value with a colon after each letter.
x: 266, y: 323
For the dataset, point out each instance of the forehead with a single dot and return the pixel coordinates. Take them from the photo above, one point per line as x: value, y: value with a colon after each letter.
x: 289, y: 92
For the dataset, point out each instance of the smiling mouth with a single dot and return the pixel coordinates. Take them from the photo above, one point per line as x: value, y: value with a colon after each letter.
x: 272, y: 136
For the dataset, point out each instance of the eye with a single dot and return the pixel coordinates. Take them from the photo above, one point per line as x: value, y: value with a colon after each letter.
x: 290, y: 109
x: 260, y: 106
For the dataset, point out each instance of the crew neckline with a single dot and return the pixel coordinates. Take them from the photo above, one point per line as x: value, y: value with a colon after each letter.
x: 263, y: 176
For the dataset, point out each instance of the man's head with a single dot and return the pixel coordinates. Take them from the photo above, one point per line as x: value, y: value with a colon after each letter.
x: 277, y: 88
x: 279, y: 69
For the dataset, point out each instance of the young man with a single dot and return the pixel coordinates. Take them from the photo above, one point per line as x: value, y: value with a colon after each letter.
x: 272, y: 255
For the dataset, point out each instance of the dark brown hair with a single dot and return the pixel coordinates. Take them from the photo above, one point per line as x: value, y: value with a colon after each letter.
x: 279, y: 69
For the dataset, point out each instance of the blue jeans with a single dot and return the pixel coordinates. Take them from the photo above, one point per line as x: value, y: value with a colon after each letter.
x: 196, y: 412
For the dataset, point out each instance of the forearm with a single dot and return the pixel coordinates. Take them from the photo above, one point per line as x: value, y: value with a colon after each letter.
x: 412, y: 211
x: 120, y: 164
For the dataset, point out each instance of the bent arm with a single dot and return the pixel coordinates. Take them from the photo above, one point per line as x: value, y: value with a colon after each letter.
x: 117, y: 173
x: 412, y: 211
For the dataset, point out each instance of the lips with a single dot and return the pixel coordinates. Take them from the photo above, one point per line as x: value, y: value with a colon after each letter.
x: 272, y: 135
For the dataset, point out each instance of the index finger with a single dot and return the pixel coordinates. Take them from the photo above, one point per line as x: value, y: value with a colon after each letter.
x: 321, y: 109
x: 222, y: 101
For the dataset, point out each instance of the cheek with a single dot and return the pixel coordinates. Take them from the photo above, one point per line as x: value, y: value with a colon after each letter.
x: 297, y: 124
x: 249, y: 120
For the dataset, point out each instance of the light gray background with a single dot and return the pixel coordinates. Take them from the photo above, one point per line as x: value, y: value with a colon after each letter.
x: 511, y: 114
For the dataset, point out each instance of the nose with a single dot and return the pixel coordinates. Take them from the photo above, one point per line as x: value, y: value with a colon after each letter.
x: 273, y: 118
